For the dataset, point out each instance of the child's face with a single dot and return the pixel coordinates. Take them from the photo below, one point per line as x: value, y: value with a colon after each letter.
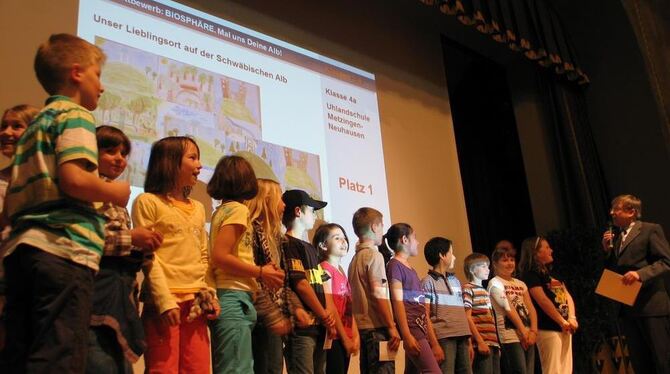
x: 112, y: 161
x: 190, y: 166
x: 505, y: 266
x: 336, y: 243
x: 307, y: 217
x: 544, y: 253
x: 481, y: 271
x: 378, y: 229
x: 449, y: 259
x: 10, y: 132
x: 90, y: 87
x: 412, y: 244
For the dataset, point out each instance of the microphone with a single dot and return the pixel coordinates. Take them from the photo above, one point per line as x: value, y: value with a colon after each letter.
x: 610, y: 229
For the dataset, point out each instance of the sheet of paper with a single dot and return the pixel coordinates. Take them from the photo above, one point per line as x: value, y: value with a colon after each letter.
x: 327, y: 344
x: 611, y: 286
x: 385, y: 354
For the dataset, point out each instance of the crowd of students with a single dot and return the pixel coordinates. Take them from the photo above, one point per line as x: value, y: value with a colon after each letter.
x: 247, y: 296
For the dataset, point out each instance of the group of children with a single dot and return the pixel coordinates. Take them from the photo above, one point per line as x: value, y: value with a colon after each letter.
x: 247, y: 296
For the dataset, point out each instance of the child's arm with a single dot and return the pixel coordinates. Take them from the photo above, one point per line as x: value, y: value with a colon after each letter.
x: 143, y: 214
x: 376, y: 274
x: 482, y: 347
x: 411, y: 345
x: 330, y: 306
x: 497, y: 292
x: 308, y: 296
x: 223, y: 257
x: 120, y: 239
x: 432, y: 337
x: 532, y: 335
x: 76, y: 179
x: 537, y: 293
x: 572, y: 313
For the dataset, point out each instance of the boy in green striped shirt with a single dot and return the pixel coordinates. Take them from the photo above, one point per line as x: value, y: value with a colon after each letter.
x: 57, y: 236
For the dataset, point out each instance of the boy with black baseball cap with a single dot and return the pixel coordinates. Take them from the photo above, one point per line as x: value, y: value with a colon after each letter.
x: 304, y: 347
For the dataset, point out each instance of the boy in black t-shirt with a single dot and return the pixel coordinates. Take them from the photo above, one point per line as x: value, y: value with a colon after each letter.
x: 304, y: 348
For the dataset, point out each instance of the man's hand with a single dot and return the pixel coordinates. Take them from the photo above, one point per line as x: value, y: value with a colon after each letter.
x: 630, y: 277
x: 607, y: 241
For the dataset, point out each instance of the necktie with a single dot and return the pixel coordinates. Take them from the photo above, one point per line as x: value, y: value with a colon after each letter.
x: 623, y: 236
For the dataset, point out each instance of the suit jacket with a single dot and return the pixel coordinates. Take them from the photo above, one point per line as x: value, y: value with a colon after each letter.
x: 646, y: 251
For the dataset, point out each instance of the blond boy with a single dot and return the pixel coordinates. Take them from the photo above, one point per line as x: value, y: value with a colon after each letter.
x: 57, y: 237
x: 370, y: 294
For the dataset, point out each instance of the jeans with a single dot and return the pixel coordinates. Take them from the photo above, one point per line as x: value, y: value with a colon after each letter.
x: 369, y: 356
x: 337, y: 359
x: 231, y: 333
x: 268, y: 351
x: 516, y: 360
x: 489, y: 364
x: 305, y: 354
x: 47, y: 313
x: 456, y: 355
x: 104, y: 353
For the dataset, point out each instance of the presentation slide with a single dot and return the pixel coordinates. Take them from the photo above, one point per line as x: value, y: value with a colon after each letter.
x: 173, y: 70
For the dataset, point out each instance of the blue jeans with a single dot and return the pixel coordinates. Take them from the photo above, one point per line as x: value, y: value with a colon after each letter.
x: 456, y: 356
x: 268, y: 350
x: 516, y: 360
x: 305, y: 354
x: 489, y: 364
x: 104, y: 353
x: 369, y: 356
x: 231, y: 333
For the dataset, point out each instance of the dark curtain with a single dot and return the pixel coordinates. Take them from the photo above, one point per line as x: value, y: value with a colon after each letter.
x: 582, y: 184
x: 531, y: 27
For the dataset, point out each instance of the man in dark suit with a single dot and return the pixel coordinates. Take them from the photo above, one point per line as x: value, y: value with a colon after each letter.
x: 641, y: 253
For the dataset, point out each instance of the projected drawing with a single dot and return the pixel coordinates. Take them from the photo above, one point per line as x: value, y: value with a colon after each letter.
x: 150, y: 97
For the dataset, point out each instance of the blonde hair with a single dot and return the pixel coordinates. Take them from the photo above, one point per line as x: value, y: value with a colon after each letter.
x: 25, y: 112
x: 264, y: 208
x: 55, y: 58
x: 629, y: 202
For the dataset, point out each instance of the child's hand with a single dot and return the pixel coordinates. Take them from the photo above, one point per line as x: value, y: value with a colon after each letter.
x: 349, y: 346
x: 412, y: 346
x: 271, y: 276
x: 532, y: 337
x: 329, y: 319
x: 573, y: 325
x: 302, y: 318
x: 438, y: 353
x: 394, y: 339
x: 357, y: 343
x: 146, y: 239
x: 483, y: 349
x: 171, y: 317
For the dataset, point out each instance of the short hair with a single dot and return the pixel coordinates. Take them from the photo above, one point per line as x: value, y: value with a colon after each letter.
x: 529, y: 248
x: 233, y: 179
x: 25, y: 112
x: 629, y: 202
x: 501, y: 252
x: 504, y: 244
x: 321, y: 235
x: 55, y: 58
x: 112, y: 137
x: 165, y: 162
x: 363, y: 220
x: 393, y: 236
x: 289, y: 216
x: 434, y: 248
x: 471, y: 261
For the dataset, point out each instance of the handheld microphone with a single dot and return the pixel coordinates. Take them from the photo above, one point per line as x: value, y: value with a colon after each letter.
x: 610, y: 228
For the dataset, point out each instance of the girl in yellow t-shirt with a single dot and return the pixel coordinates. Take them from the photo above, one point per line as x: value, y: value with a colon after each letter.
x: 175, y: 284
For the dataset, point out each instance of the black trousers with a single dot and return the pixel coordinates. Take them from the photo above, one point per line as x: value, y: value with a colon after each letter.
x: 648, y: 339
x: 47, y: 313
